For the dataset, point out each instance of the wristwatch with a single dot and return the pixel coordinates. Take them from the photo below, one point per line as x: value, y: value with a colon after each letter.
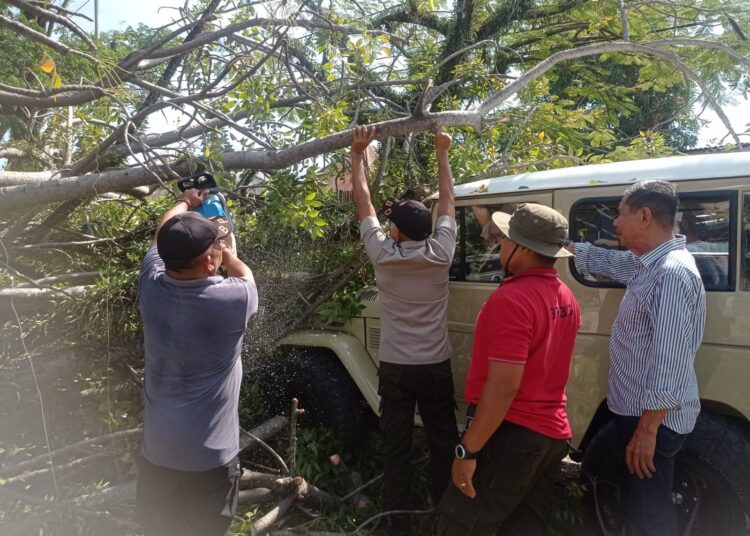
x: 462, y: 453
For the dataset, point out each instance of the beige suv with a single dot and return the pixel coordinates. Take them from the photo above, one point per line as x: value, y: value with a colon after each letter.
x: 331, y: 369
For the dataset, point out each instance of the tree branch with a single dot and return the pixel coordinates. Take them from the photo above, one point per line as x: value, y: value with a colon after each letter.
x: 43, y: 39
x: 9, y: 178
x: 624, y: 20
x: 53, y: 17
x: 592, y: 50
x: 11, y: 152
x: 20, y: 196
x: 69, y: 188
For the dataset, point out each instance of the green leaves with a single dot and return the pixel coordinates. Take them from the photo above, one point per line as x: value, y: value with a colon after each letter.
x: 600, y: 138
x: 292, y: 204
x: 341, y: 307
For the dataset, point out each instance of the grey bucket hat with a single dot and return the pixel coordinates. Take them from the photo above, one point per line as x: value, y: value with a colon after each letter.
x: 536, y: 227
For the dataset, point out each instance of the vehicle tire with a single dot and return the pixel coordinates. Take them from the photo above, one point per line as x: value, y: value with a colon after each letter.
x: 323, y: 388
x: 711, y: 489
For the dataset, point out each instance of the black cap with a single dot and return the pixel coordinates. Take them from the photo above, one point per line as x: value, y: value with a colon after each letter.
x: 185, y: 236
x: 411, y: 217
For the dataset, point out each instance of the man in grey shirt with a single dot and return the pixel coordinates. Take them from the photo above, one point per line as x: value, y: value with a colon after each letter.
x: 193, y: 323
x: 411, y: 272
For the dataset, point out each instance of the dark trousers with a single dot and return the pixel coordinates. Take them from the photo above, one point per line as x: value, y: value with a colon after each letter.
x: 648, y: 501
x: 186, y: 503
x: 514, y: 481
x: 430, y: 388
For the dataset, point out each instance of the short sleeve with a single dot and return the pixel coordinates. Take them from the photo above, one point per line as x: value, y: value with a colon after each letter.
x: 445, y: 234
x: 152, y: 263
x: 252, y: 298
x: 241, y: 286
x: 510, y: 329
x: 372, y: 236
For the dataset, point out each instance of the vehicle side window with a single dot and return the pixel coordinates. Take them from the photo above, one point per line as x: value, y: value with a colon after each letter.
x: 706, y: 224
x: 746, y: 243
x: 593, y: 221
x: 706, y: 220
x: 477, y: 252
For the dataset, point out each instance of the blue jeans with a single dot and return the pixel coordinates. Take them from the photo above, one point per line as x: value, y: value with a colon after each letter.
x: 649, y: 506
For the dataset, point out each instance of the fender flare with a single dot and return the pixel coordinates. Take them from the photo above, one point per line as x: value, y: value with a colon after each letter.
x: 350, y: 352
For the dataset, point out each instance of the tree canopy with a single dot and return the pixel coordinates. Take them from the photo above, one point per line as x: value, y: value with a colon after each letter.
x: 276, y: 85
x: 264, y: 95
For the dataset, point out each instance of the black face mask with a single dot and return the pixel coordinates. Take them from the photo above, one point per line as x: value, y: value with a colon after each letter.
x: 504, y: 269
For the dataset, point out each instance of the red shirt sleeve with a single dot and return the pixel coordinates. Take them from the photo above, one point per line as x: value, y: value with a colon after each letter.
x: 510, y: 329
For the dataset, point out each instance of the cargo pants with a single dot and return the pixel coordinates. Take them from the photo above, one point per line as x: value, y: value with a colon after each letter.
x: 401, y: 389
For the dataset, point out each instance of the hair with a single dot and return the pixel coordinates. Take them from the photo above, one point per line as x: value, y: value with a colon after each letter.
x: 544, y: 260
x: 660, y: 197
x: 179, y: 266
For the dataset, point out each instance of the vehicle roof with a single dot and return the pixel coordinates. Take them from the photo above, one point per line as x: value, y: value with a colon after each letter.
x: 671, y: 168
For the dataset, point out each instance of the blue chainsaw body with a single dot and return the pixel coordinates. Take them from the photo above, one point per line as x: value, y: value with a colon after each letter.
x: 214, y: 206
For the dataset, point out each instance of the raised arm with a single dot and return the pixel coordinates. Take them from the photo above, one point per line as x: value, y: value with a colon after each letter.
x: 190, y: 198
x: 617, y: 265
x: 234, y: 266
x: 447, y: 199
x: 362, y: 137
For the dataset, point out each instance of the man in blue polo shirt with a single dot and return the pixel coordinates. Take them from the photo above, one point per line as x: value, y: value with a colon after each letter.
x: 193, y: 323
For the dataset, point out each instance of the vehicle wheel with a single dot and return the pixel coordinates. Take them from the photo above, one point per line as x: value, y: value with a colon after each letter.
x: 711, y: 490
x: 323, y: 387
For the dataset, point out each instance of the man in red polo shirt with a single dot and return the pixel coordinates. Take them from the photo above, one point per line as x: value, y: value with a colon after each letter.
x: 517, y: 428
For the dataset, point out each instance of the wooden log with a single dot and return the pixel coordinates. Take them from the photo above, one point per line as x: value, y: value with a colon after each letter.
x: 343, y: 472
x: 352, y: 481
x: 270, y: 427
x: 315, y: 497
x: 257, y: 496
x: 44, y: 458
x: 308, y: 494
x: 251, y: 479
x: 28, y: 475
x: 265, y: 431
x: 273, y: 515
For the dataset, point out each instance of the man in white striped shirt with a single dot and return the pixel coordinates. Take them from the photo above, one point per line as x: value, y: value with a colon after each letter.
x: 652, y: 389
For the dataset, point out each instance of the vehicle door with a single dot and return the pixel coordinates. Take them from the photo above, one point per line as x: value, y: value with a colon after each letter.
x: 476, y: 272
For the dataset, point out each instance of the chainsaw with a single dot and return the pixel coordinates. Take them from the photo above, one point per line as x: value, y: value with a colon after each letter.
x: 214, y: 206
